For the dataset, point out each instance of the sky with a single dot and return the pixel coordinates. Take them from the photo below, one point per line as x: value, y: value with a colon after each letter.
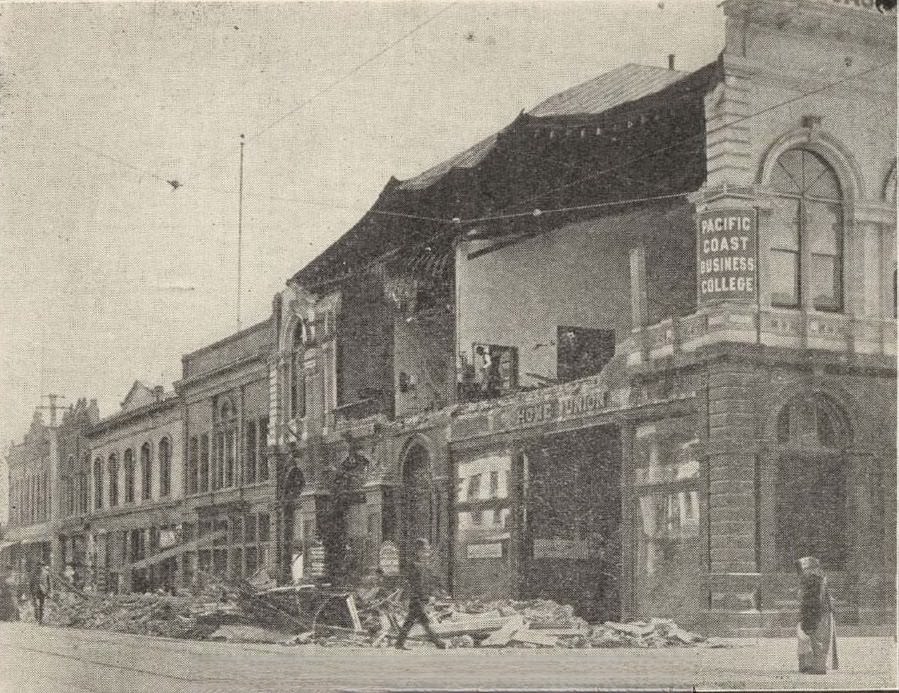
x: 108, y: 274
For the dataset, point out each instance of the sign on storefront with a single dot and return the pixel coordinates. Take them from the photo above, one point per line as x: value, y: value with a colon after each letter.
x: 389, y: 558
x: 561, y: 548
x: 316, y: 562
x: 492, y: 550
x: 727, y: 259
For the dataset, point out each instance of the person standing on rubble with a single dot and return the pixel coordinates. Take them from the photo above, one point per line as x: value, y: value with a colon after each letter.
x: 416, y: 578
x: 39, y: 586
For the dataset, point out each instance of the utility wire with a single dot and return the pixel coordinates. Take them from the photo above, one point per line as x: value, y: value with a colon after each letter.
x: 342, y: 78
x: 537, y: 212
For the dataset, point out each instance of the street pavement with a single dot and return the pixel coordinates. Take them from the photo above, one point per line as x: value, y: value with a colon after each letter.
x: 46, y: 660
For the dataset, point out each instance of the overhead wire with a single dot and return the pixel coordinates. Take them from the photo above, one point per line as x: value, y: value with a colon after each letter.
x: 459, y: 222
x: 341, y: 79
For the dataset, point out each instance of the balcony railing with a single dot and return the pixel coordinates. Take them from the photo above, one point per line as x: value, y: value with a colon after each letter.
x: 787, y: 329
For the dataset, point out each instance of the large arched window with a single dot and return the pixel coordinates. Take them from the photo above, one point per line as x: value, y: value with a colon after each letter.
x: 165, y: 467
x: 113, y: 480
x: 128, y: 461
x: 806, y: 266
x: 146, y: 472
x: 811, y: 484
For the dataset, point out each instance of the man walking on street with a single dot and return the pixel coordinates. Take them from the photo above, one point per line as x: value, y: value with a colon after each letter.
x: 39, y: 586
x: 416, y: 577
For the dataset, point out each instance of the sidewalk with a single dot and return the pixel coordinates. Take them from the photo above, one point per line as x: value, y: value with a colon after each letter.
x: 103, y: 661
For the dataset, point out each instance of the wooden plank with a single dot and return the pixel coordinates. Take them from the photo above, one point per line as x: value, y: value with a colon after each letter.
x: 175, y: 551
x: 354, y: 613
x: 483, y: 623
x: 501, y: 637
x: 535, y: 638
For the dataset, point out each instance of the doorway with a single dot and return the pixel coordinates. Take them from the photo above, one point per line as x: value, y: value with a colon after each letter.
x: 572, y: 521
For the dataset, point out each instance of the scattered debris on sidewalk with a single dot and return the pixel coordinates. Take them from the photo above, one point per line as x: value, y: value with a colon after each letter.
x: 238, y: 611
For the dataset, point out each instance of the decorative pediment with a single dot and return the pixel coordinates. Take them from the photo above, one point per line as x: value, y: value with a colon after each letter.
x: 138, y: 396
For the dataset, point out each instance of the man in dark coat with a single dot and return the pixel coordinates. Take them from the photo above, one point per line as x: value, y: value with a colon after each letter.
x: 416, y: 577
x: 39, y: 587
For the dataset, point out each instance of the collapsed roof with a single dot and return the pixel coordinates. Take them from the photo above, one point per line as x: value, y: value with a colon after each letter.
x: 634, y: 132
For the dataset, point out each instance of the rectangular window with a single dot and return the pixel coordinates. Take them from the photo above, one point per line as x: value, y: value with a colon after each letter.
x: 474, y: 487
x: 236, y: 530
x: 582, y: 351
x: 784, y: 279
x: 229, y: 458
x: 204, y: 462
x: 263, y: 527
x: 494, y: 484
x: 98, y: 484
x: 250, y: 529
x: 252, y: 560
x: 236, y: 562
x: 146, y: 469
x: 825, y: 230
x: 250, y: 453
x: 218, y: 474
x: 262, y: 455
x: 193, y: 465
x: 785, y: 262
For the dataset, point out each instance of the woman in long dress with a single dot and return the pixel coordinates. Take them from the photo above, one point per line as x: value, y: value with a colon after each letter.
x: 815, y: 631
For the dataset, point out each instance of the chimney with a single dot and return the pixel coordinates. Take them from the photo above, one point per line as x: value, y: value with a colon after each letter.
x: 93, y: 412
x: 671, y: 61
x: 158, y: 390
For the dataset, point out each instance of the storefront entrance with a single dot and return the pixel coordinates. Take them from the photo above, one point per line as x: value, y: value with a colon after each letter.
x: 572, y: 521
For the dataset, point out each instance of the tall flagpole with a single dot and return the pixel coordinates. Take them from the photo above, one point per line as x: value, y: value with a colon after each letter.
x: 239, y: 229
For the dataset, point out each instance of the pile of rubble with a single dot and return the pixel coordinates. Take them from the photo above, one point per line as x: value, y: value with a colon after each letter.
x: 195, y: 615
x: 238, y: 611
x: 525, y: 624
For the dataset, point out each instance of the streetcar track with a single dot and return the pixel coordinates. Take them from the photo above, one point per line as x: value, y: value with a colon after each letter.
x: 101, y: 663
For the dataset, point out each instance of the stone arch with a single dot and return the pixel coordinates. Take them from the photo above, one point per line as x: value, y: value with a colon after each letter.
x: 817, y: 387
x: 813, y: 477
x: 824, y: 144
x: 419, y: 507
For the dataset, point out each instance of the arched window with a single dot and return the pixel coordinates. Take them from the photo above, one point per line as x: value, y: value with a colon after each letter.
x: 98, y: 483
x: 297, y: 376
x: 165, y: 467
x: 113, y: 480
x: 146, y: 472
x: 811, y: 481
x: 806, y: 266
x: 811, y: 422
x: 128, y: 461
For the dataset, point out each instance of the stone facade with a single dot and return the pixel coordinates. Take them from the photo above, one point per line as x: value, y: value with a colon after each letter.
x: 229, y: 477
x: 136, y: 492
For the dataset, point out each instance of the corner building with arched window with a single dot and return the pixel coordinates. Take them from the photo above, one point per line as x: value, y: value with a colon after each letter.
x: 797, y: 389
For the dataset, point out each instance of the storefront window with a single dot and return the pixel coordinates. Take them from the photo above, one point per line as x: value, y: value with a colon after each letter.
x: 483, y: 510
x: 668, y: 513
